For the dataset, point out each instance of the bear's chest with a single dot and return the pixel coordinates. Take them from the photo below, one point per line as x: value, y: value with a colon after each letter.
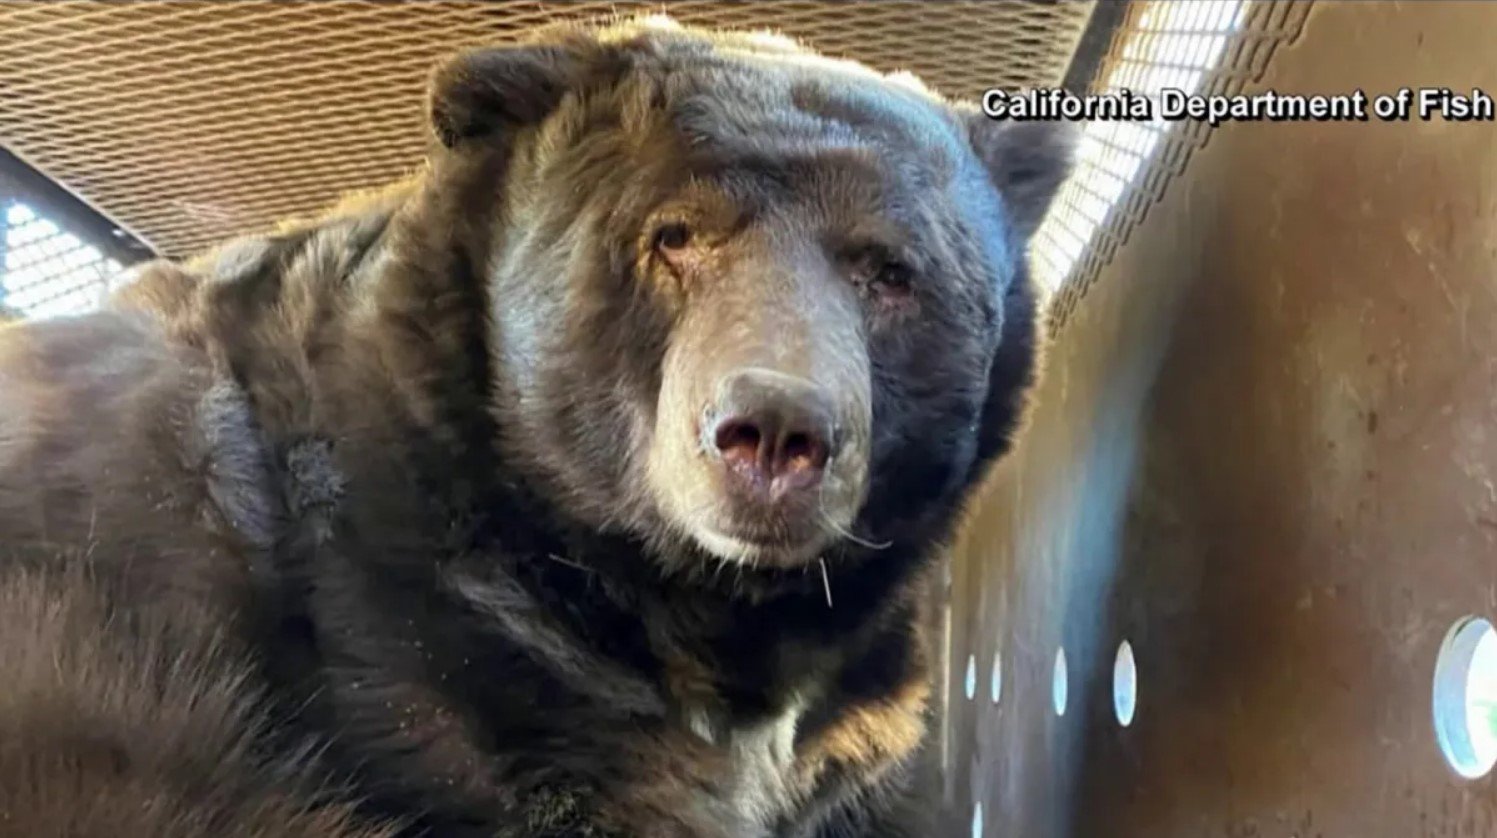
x: 766, y: 777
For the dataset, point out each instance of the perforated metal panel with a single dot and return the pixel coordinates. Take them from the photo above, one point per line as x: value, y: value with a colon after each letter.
x: 1261, y: 454
x: 187, y: 122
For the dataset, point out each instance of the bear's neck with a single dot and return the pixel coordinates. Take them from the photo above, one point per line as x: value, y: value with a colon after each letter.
x: 741, y: 641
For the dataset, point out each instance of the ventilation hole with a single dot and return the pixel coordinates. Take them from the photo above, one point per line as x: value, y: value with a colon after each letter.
x: 1465, y: 697
x: 971, y: 677
x: 995, y: 683
x: 977, y: 820
x: 1059, y: 683
x: 1124, y: 685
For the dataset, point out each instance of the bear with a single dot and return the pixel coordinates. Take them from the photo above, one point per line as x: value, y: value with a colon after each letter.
x: 590, y: 481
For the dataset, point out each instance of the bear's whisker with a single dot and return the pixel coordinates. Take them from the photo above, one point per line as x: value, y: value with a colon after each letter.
x: 845, y: 532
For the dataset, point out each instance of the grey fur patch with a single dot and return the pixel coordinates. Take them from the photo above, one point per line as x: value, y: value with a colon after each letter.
x: 314, y: 486
x: 225, y: 443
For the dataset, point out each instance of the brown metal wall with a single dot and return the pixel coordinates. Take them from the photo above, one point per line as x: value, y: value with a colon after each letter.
x: 1265, y: 454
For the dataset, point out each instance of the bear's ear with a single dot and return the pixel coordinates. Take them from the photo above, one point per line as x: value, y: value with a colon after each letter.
x: 1027, y: 161
x: 487, y: 91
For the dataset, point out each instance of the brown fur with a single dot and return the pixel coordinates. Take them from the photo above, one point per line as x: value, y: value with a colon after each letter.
x: 116, y: 724
x: 417, y: 482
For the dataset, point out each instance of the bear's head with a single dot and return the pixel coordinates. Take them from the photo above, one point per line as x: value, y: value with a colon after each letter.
x: 748, y: 303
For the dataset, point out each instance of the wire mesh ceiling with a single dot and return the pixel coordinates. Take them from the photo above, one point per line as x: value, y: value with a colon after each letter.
x: 188, y: 122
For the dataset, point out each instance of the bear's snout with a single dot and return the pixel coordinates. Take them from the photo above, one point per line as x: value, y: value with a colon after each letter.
x: 772, y: 434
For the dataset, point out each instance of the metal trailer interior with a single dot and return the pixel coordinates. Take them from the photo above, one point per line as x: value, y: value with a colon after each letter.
x: 1263, y: 452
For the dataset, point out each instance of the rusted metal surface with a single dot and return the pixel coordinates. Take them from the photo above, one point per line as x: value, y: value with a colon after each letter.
x: 1265, y: 455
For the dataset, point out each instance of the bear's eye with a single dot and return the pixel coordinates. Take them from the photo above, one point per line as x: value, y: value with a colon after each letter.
x: 881, y: 273
x: 672, y: 236
x: 892, y: 277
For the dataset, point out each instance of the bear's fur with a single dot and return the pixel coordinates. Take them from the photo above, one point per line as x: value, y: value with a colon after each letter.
x: 398, y: 521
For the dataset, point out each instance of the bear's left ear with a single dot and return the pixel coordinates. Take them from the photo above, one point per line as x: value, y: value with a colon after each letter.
x: 1027, y: 161
x: 487, y: 91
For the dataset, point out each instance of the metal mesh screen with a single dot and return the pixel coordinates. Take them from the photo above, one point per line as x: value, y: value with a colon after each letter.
x: 1210, y: 47
x: 46, y: 270
x: 191, y: 121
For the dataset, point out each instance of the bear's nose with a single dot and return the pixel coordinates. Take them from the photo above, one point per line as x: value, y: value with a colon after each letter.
x: 774, y: 432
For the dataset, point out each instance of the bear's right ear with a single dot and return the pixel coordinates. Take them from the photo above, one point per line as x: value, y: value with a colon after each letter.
x: 487, y: 91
